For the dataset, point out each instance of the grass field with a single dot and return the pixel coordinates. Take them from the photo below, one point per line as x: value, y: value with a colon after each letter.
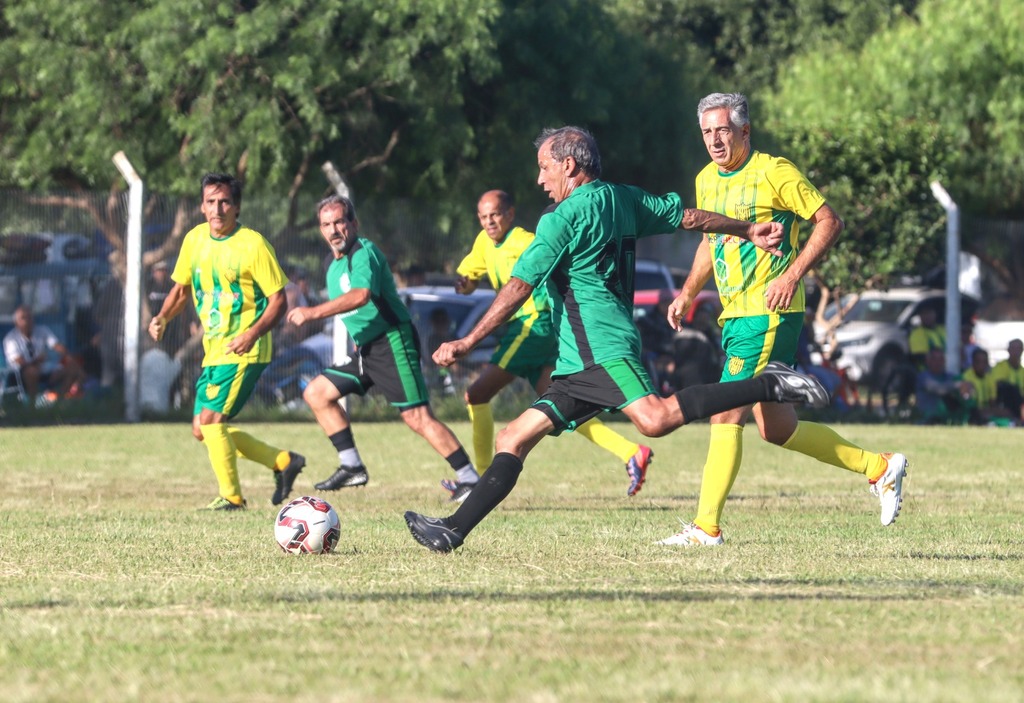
x: 113, y: 587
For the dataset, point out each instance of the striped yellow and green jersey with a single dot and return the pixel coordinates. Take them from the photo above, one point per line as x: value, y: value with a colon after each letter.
x: 232, y: 280
x: 765, y: 189
x: 496, y: 262
x: 1004, y: 372
x: 984, y: 387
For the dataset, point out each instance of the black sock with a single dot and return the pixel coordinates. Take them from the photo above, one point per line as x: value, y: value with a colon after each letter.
x: 496, y: 483
x: 457, y: 459
x: 699, y: 402
x: 343, y: 440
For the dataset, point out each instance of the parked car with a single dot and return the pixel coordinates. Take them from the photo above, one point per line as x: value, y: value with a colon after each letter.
x: 872, y: 338
x: 462, y: 312
x: 652, y: 276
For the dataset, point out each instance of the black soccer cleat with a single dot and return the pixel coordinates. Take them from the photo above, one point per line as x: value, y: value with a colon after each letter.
x: 789, y: 386
x: 345, y: 477
x: 285, y: 478
x: 434, y: 533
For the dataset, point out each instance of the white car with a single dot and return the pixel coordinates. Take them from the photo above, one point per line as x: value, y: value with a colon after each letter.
x: 873, y: 337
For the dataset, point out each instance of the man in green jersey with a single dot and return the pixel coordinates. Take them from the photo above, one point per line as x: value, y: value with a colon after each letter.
x: 584, y: 252
x: 529, y: 348
x: 763, y: 310
x: 237, y: 288
x: 362, y: 291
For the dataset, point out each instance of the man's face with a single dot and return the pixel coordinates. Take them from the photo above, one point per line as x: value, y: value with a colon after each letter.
x: 23, y: 321
x: 727, y: 144
x: 1015, y: 349
x: 219, y: 209
x: 495, y: 221
x: 338, y: 231
x: 553, y: 175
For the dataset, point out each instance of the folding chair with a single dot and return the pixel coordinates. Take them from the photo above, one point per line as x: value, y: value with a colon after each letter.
x: 10, y: 383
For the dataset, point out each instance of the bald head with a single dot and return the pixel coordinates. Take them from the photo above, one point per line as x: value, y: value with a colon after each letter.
x: 496, y: 212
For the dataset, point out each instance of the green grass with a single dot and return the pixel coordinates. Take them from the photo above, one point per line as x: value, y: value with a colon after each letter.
x: 112, y: 586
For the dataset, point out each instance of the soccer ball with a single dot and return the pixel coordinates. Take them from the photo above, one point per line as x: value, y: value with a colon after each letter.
x: 307, y: 525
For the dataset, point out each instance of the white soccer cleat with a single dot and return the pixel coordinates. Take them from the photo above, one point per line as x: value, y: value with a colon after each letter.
x: 889, y: 488
x: 693, y: 536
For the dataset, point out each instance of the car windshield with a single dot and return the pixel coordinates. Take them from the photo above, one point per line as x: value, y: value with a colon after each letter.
x: 874, y: 310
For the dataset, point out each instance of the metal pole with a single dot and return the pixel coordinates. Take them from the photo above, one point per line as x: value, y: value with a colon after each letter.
x: 132, y: 287
x: 952, y: 277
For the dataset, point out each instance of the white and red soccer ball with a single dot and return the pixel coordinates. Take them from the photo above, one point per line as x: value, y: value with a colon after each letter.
x: 307, y: 525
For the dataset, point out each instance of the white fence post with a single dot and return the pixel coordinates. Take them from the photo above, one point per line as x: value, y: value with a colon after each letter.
x: 952, y: 277
x: 132, y: 287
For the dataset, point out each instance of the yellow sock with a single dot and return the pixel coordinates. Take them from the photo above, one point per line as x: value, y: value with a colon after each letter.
x: 824, y: 444
x: 608, y: 439
x: 483, y: 433
x: 255, y: 450
x: 725, y: 452
x: 222, y: 458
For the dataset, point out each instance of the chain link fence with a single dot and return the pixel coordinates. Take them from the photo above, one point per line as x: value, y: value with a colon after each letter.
x: 62, y: 255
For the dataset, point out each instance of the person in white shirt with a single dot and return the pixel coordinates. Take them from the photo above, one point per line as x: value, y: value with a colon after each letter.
x: 26, y: 349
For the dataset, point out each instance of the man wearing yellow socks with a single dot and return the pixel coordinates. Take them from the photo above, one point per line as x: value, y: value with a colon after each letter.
x: 763, y: 301
x: 237, y: 287
x: 529, y: 347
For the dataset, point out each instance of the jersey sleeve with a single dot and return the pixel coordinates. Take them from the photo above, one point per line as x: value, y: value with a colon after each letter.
x: 657, y: 214
x: 796, y: 193
x: 366, y: 269
x: 540, y: 258
x: 266, y: 270
x: 474, y: 265
x: 182, y: 273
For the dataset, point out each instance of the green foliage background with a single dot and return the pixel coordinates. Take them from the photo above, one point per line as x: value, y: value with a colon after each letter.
x: 421, y: 105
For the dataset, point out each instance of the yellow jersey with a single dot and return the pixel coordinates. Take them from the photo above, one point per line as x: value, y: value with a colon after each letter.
x: 496, y: 261
x: 765, y: 189
x: 1004, y: 372
x: 231, y: 280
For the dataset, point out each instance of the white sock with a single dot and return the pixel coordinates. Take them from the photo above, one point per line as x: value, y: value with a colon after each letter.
x: 467, y: 474
x: 350, y: 457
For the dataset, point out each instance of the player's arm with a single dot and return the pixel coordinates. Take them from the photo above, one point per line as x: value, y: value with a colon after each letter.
x: 277, y: 304
x: 700, y: 274
x: 826, y: 228
x: 510, y: 298
x: 173, y: 304
x: 354, y: 299
x: 764, y: 235
x: 471, y: 269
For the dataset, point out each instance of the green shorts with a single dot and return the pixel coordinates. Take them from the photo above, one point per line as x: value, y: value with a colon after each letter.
x: 225, y: 388
x: 751, y: 342
x: 392, y: 363
x: 572, y: 400
x: 528, y: 346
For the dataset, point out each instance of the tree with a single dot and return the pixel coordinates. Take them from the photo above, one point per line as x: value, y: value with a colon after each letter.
x: 266, y: 90
x: 937, y: 95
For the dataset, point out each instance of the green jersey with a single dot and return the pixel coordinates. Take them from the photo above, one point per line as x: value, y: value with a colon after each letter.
x: 365, y: 267
x: 585, y: 251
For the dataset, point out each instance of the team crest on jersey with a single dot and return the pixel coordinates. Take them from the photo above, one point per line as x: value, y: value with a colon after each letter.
x: 212, y: 392
x: 743, y: 210
x: 735, y: 365
x: 230, y: 276
x: 345, y: 282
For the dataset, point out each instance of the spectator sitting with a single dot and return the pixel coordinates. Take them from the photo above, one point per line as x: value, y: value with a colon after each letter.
x: 979, y: 375
x: 157, y: 374
x: 942, y: 398
x: 1009, y: 378
x: 807, y: 348
x: 925, y: 337
x: 25, y: 348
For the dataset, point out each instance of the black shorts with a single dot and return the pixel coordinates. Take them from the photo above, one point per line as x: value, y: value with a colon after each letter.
x: 390, y: 362
x: 572, y: 400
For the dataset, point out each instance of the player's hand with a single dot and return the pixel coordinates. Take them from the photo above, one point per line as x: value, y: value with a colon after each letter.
x: 450, y: 352
x: 677, y: 311
x: 243, y: 343
x: 767, y: 236
x: 157, y: 327
x: 298, y: 316
x: 464, y: 285
x: 779, y: 293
